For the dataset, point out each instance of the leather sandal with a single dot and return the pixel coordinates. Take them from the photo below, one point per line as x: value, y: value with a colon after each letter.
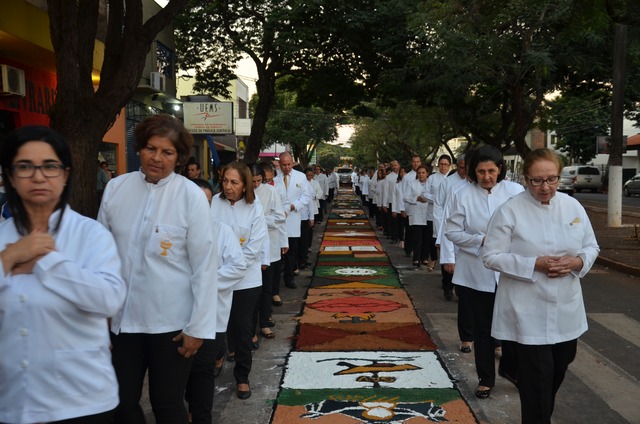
x: 483, y: 393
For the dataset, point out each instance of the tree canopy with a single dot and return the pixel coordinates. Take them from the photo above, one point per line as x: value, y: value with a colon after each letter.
x: 81, y: 113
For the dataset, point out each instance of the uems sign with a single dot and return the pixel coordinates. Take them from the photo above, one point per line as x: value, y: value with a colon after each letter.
x: 208, y: 118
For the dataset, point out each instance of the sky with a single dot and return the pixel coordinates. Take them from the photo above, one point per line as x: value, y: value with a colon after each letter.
x: 246, y: 71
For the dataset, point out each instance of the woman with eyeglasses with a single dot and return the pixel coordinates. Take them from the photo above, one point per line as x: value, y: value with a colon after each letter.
x: 60, y: 282
x: 542, y: 243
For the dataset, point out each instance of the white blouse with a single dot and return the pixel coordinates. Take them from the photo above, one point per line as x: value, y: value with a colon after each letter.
x: 531, y: 308
x: 231, y: 269
x: 275, y: 219
x: 466, y: 227
x: 163, y: 234
x: 56, y: 362
x: 248, y: 224
x: 419, y: 211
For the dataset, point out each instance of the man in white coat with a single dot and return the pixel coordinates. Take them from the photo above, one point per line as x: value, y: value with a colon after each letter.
x: 388, y: 190
x: 297, y: 197
x: 406, y: 181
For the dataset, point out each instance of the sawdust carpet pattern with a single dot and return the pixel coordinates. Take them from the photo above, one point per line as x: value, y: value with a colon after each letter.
x: 362, y: 354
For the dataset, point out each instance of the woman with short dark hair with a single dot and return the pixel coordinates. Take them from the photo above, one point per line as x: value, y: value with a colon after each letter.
x: 466, y: 227
x: 160, y: 221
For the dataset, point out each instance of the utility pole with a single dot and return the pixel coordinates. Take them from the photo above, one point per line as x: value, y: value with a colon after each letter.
x: 614, y: 215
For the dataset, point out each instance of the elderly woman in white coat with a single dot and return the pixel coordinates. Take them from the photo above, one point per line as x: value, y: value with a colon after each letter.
x: 207, y: 364
x: 237, y: 207
x: 466, y: 227
x: 542, y: 243
x: 60, y: 281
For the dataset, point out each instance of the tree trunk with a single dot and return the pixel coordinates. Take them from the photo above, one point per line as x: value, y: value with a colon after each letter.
x: 80, y: 113
x: 265, y: 87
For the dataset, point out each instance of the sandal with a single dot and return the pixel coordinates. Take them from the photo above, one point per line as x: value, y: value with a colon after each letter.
x: 231, y: 357
x: 465, y: 348
x: 268, y: 334
x: 483, y: 393
x: 416, y: 264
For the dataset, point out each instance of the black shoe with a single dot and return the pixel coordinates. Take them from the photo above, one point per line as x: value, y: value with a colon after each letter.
x: 255, y: 345
x: 217, y: 371
x: 291, y: 285
x: 276, y: 302
x: 271, y: 323
x: 448, y: 295
x: 244, y: 394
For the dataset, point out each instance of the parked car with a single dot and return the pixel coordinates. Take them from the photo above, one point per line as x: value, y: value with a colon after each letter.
x: 344, y: 175
x: 632, y: 186
x: 576, y: 178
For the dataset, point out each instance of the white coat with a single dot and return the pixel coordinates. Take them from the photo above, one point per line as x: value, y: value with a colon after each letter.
x: 163, y: 234
x: 531, y: 308
x: 231, y: 269
x: 56, y: 362
x: 248, y: 224
x: 466, y: 227
x: 275, y: 218
x: 297, y: 194
x: 419, y: 211
x: 447, y: 190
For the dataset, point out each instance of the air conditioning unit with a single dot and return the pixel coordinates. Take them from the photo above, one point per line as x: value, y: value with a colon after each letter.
x: 158, y: 81
x: 12, y: 80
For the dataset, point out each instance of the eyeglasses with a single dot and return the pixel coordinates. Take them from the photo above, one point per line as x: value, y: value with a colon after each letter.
x: 27, y: 170
x: 537, y: 182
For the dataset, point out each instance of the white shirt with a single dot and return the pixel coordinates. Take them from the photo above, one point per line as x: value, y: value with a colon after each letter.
x: 163, y: 234
x: 297, y: 194
x: 531, y: 308
x: 248, y: 224
x: 231, y: 269
x: 433, y: 182
x: 387, y: 189
x: 364, y: 181
x: 324, y: 184
x: 406, y: 180
x: 275, y: 219
x: 447, y: 190
x: 466, y: 227
x: 419, y: 210
x: 397, y: 204
x: 56, y: 362
x: 332, y: 180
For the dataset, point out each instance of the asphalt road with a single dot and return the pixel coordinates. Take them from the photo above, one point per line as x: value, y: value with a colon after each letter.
x: 602, y: 198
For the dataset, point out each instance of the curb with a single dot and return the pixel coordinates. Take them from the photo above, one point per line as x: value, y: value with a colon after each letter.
x: 618, y: 266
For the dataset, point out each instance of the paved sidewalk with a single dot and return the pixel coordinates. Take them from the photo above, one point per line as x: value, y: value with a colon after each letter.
x: 619, y: 247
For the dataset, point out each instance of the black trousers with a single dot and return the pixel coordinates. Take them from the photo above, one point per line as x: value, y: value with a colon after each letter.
x: 241, y: 330
x: 423, y: 244
x: 399, y: 221
x: 321, y: 209
x: 201, y: 384
x: 264, y: 309
x: 541, y: 370
x: 290, y: 260
x: 447, y: 279
x: 465, y: 321
x: 276, y: 270
x: 408, y: 238
x: 108, y: 417
x: 135, y: 353
x: 481, y: 307
x: 303, y: 243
